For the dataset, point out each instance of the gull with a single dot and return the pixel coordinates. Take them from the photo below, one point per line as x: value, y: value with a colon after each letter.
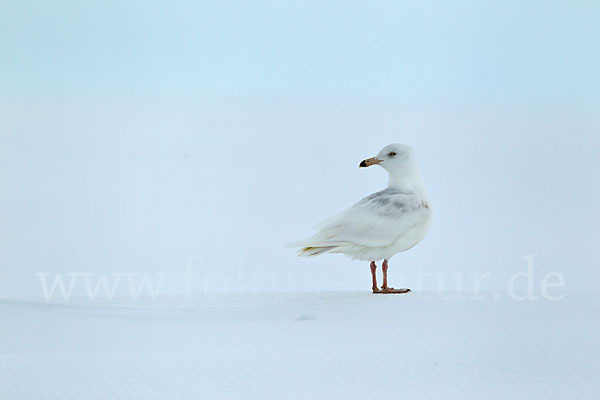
x: 380, y: 225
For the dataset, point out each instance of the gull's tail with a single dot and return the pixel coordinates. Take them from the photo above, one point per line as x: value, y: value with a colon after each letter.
x: 308, y: 250
x: 314, y: 251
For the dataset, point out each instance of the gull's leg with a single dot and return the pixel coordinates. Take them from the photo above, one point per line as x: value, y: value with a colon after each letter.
x: 384, y: 267
x: 385, y: 288
x: 374, y: 276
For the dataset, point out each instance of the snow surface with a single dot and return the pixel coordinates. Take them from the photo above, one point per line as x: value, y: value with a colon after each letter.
x: 303, y: 346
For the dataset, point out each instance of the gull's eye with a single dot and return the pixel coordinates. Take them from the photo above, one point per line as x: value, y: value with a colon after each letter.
x: 392, y: 154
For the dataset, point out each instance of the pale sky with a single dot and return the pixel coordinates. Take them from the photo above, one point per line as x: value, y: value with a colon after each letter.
x: 144, y: 136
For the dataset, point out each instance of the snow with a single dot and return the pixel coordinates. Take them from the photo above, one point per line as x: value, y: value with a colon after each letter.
x: 302, y: 346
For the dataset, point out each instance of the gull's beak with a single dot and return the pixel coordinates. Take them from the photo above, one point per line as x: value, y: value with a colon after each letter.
x: 370, y: 161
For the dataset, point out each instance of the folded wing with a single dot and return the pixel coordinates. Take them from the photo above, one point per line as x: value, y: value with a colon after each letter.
x: 376, y: 221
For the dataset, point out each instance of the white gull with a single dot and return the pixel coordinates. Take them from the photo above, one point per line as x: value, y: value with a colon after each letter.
x: 382, y: 224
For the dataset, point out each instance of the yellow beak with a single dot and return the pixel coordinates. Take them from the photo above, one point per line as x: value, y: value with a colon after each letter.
x: 370, y: 161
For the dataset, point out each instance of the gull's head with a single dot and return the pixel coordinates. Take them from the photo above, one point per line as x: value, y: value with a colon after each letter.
x: 395, y: 158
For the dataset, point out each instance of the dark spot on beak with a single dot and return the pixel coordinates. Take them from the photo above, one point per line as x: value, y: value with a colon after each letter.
x: 362, y: 164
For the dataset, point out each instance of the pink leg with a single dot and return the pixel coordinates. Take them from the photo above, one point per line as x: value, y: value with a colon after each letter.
x: 384, y: 267
x: 385, y: 288
x: 374, y: 277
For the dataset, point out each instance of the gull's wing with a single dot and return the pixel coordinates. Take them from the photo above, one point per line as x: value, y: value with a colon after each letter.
x: 377, y: 220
